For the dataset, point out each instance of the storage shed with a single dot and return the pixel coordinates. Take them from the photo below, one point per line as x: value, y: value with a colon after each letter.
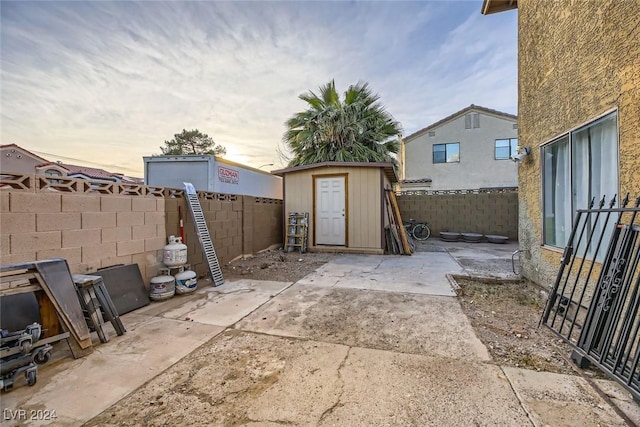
x: 345, y: 202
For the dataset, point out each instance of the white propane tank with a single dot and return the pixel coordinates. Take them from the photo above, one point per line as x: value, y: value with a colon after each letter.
x: 162, y: 287
x: 175, y: 253
x: 186, y: 282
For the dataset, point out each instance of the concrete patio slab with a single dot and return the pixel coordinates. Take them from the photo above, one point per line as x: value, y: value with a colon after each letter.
x: 265, y: 380
x: 421, y: 273
x: 560, y: 400
x: 485, y: 259
x: 407, y: 323
x: 402, y: 389
x: 223, y: 305
x: 78, y: 389
x: 621, y: 398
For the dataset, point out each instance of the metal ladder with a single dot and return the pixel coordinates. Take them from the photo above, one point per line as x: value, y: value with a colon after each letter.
x: 203, y: 233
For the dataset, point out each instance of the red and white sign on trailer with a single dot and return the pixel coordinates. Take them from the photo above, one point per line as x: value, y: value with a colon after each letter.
x: 230, y: 176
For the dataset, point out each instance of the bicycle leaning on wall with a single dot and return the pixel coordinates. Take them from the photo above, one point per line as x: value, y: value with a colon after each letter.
x: 417, y: 230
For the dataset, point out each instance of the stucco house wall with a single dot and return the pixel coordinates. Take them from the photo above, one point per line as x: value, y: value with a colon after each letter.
x: 577, y: 61
x: 478, y: 167
x: 18, y: 160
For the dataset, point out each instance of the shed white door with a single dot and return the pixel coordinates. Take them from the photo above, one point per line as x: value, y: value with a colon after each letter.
x: 330, y: 211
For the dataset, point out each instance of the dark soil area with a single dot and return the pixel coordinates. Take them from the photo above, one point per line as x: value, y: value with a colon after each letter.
x: 275, y: 265
x: 505, y: 317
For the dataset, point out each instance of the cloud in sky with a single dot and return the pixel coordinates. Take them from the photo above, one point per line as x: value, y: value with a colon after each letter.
x: 109, y: 82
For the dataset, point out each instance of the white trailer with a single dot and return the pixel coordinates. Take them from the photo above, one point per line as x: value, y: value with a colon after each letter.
x: 211, y: 173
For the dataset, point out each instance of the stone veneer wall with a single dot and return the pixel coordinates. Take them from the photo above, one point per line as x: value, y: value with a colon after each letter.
x: 98, y: 224
x: 463, y: 211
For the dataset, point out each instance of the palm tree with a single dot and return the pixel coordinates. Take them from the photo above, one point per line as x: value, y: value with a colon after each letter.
x: 355, y: 129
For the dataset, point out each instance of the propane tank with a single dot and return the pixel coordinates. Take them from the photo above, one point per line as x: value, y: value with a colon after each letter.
x: 162, y: 287
x: 175, y: 253
x: 186, y: 282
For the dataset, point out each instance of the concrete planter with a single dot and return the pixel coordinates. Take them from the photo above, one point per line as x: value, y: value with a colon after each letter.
x: 449, y: 236
x: 472, y: 237
x: 494, y: 238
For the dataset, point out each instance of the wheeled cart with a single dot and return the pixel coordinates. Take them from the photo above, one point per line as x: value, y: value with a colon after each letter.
x: 21, y: 351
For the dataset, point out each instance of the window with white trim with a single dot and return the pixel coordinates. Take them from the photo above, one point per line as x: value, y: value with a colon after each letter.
x: 577, y: 167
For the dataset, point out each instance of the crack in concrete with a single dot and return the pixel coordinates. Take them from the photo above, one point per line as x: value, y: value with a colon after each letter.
x: 529, y: 415
x: 337, y: 403
x: 271, y: 297
x: 232, y: 292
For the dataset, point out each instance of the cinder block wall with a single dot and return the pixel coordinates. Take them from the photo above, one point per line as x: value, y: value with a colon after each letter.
x: 94, y: 225
x: 238, y: 225
x: 486, y: 213
x: 90, y: 231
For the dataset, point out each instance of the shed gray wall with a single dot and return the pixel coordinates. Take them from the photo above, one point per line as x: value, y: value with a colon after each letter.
x: 477, y: 168
x: 173, y: 174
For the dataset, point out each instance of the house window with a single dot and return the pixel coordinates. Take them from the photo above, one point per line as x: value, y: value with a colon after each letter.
x: 446, y: 153
x: 576, y: 167
x: 505, y: 148
x: 52, y: 172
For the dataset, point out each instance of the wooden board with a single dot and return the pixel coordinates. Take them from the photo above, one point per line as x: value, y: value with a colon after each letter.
x: 57, y: 283
x: 55, y: 293
x: 398, y: 217
x: 48, y: 317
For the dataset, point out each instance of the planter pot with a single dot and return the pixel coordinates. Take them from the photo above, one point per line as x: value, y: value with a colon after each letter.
x: 495, y: 238
x: 449, y: 236
x: 472, y: 237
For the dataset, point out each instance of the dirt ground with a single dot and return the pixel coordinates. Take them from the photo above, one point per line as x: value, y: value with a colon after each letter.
x: 275, y: 265
x: 505, y: 317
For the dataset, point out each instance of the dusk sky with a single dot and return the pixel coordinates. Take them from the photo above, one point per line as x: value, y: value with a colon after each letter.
x: 105, y: 83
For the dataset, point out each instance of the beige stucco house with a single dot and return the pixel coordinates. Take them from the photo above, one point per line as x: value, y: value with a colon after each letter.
x: 345, y: 202
x: 579, y: 111
x: 470, y: 149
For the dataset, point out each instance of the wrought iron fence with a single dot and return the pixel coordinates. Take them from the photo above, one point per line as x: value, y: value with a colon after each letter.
x: 594, y: 304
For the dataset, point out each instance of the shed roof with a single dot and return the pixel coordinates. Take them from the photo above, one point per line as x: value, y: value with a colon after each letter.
x: 388, y: 168
x: 471, y: 107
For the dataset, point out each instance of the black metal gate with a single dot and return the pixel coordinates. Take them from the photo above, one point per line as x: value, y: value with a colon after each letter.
x: 594, y: 304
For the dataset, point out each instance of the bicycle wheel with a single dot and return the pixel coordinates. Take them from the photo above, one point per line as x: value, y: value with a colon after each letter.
x: 421, y: 232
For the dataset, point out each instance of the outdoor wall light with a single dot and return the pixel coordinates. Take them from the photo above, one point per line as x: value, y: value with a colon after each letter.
x: 522, y: 153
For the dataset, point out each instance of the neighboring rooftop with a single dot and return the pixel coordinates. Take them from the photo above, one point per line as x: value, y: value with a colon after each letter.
x: 468, y: 109
x: 73, y: 171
